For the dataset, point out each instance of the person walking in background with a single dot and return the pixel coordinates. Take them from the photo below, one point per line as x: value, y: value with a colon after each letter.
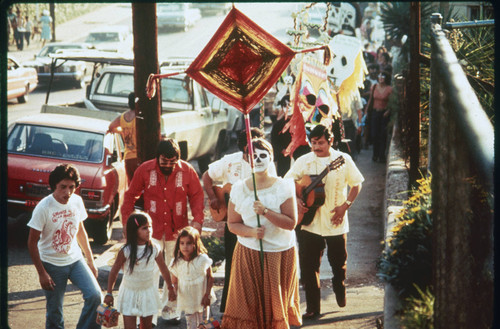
x: 265, y: 297
x: 227, y: 171
x: 125, y: 125
x: 140, y: 259
x: 168, y: 183
x: 56, y: 239
x: 379, y: 113
x: 329, y: 225
x: 29, y: 28
x: 19, y: 29
x: 45, y: 22
x: 192, y: 277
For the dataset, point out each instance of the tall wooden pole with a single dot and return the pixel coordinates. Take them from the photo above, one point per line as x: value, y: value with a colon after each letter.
x: 52, y: 10
x: 414, y: 91
x: 145, y: 62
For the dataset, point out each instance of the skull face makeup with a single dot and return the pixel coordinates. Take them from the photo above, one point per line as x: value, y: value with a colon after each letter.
x: 262, y: 159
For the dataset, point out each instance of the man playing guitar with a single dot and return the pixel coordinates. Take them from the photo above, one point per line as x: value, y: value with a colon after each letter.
x: 329, y: 225
x: 227, y: 171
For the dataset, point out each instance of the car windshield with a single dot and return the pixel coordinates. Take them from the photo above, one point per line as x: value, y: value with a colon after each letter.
x: 121, y: 84
x: 103, y: 37
x: 57, y: 143
x: 53, y: 48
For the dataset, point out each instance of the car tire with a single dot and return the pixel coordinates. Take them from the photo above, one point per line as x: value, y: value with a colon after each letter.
x: 24, y: 98
x: 203, y: 163
x: 80, y: 84
x: 103, y: 229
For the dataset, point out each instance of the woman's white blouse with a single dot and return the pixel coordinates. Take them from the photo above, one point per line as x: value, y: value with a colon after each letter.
x: 275, y: 239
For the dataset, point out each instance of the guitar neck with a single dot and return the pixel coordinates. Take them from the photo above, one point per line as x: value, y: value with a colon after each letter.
x: 316, y: 181
x: 332, y: 166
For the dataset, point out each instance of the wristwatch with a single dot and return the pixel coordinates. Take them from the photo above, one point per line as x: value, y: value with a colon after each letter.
x: 349, y: 203
x: 265, y: 211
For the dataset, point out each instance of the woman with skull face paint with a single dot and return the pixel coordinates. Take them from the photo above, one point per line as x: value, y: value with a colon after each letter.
x: 274, y: 288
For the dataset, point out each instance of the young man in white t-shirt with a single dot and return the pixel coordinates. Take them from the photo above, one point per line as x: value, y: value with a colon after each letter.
x: 56, y: 236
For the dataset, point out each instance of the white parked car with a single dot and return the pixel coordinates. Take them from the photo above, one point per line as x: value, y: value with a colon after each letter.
x: 180, y: 16
x: 117, y: 38
x: 72, y: 73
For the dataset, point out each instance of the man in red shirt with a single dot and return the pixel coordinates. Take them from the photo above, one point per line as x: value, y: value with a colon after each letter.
x: 168, y: 183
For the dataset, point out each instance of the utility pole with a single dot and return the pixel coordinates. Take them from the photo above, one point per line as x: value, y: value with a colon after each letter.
x: 145, y: 62
x: 413, y: 89
x: 52, y: 8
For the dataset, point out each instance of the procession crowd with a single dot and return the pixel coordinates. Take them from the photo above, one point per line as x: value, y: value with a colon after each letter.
x: 279, y: 220
x: 274, y: 226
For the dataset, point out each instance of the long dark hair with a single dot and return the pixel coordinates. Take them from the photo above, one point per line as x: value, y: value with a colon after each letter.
x: 136, y: 220
x: 194, y: 235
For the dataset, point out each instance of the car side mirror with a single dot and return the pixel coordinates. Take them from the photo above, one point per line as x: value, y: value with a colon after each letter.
x: 111, y: 158
x: 216, y: 105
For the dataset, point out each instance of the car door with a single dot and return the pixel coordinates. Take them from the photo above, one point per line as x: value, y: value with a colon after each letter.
x: 15, y: 79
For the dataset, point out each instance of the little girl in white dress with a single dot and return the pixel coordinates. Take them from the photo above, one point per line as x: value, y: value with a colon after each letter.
x: 140, y: 259
x: 192, y: 278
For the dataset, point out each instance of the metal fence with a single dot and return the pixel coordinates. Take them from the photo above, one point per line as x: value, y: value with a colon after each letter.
x: 461, y: 160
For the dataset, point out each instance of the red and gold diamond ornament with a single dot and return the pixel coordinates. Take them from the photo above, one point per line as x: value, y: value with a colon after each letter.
x: 241, y: 62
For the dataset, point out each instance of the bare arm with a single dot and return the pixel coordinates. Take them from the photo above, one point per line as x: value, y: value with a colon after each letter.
x: 165, y: 273
x: 284, y: 219
x: 175, y: 284
x: 208, y: 187
x: 83, y: 241
x: 339, y: 212
x: 45, y: 280
x: 235, y: 225
x: 114, y: 126
x: 113, y: 274
x: 210, y: 282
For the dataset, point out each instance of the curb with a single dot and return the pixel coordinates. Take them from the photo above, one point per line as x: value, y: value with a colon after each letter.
x: 397, y: 181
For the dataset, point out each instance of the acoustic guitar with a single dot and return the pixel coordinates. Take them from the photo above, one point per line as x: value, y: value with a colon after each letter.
x: 220, y: 193
x: 312, y: 192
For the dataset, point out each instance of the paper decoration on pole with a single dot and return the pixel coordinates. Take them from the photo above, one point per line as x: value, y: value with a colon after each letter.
x: 241, y: 62
x: 315, y: 100
x: 346, y: 71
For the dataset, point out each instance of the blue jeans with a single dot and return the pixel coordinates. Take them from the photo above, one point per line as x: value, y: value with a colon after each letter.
x: 80, y: 275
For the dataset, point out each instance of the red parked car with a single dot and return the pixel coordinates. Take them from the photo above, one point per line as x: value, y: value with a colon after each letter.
x: 37, y: 144
x: 20, y: 80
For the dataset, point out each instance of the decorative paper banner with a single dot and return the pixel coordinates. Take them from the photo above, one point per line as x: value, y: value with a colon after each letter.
x: 241, y: 62
x: 346, y: 71
x: 315, y: 100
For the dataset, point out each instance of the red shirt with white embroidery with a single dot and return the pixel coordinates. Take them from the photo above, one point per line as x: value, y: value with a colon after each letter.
x: 165, y: 200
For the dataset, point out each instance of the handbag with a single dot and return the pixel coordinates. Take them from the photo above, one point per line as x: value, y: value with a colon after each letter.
x: 107, y: 316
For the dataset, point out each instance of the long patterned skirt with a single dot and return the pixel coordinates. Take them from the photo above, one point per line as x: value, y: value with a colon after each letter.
x: 268, y: 300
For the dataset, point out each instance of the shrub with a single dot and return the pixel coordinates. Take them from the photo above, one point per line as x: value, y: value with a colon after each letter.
x: 406, y: 261
x: 215, y: 248
x: 419, y: 311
